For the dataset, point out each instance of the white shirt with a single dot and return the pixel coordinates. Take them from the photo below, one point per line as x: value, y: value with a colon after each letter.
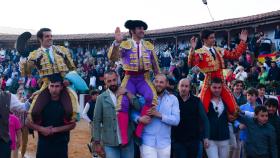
x: 9, y: 82
x: 84, y: 115
x: 114, y: 99
x: 16, y: 105
x: 213, y: 50
x: 50, y: 52
x: 219, y: 108
x: 241, y: 76
x: 140, y: 46
x: 92, y: 81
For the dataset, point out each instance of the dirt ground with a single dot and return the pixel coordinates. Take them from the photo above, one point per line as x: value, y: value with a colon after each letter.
x: 80, y: 136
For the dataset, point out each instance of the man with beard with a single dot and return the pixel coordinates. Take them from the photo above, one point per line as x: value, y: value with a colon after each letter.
x: 156, y: 138
x: 105, y: 121
x: 53, y: 131
x: 217, y: 115
x: 138, y: 58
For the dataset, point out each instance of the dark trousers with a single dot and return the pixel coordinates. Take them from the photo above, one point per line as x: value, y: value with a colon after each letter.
x: 50, y: 149
x: 5, y: 149
x: 186, y: 149
x: 258, y: 157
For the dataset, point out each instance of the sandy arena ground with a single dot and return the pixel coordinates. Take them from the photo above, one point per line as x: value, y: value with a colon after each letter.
x: 80, y: 136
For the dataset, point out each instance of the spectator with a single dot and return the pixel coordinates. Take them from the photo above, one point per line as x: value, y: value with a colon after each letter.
x: 156, y: 137
x: 263, y: 75
x: 274, y: 72
x: 53, y: 131
x: 261, y: 90
x: 249, y: 107
x: 230, y: 76
x: 277, y: 38
x: 265, y: 45
x: 187, y: 135
x: 252, y: 79
x: 261, y: 142
x: 108, y: 132
x: 15, y: 134
x: 240, y: 74
x: 9, y: 102
x: 165, y: 59
x: 217, y: 116
x: 238, y: 87
x: 272, y: 106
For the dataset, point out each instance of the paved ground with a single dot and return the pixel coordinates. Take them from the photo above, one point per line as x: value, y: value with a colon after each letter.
x: 77, y: 147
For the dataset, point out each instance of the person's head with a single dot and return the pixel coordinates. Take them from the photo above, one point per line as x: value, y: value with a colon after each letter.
x: 263, y: 69
x: 20, y: 92
x: 184, y: 86
x: 252, y: 95
x: 271, y: 105
x: 261, y: 89
x: 241, y: 68
x: 208, y: 37
x: 136, y: 28
x: 44, y: 35
x: 55, y: 85
x: 94, y: 94
x: 261, y: 114
x: 111, y: 80
x: 273, y: 64
x: 160, y: 83
x: 261, y: 34
x: 216, y: 87
x: 238, y: 86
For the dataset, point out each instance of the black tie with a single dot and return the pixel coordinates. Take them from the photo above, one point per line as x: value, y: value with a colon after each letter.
x: 213, y: 54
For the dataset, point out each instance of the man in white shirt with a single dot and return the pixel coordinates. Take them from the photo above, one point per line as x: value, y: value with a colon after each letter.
x: 156, y: 138
x: 240, y: 74
x: 89, y: 107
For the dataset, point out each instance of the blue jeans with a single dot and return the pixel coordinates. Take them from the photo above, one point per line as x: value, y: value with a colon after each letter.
x: 120, y: 152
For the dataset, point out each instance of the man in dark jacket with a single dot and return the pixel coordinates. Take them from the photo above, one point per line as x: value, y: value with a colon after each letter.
x: 274, y: 72
x: 274, y: 119
x: 218, y: 120
x: 186, y: 136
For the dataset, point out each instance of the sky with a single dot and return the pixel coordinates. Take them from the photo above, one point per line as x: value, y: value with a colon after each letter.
x: 103, y: 16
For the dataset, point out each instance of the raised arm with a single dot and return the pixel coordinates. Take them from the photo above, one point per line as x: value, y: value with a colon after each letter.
x: 241, y: 48
x: 191, y: 57
x: 114, y: 51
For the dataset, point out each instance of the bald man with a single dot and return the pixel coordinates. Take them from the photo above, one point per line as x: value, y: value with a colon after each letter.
x: 156, y: 138
x: 193, y: 126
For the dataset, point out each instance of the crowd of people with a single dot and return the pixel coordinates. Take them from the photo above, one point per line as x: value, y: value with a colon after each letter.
x: 179, y: 123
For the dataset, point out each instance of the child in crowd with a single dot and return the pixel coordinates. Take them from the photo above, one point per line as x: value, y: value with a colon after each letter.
x: 248, y: 108
x: 15, y: 134
x: 272, y: 106
x: 260, y: 142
